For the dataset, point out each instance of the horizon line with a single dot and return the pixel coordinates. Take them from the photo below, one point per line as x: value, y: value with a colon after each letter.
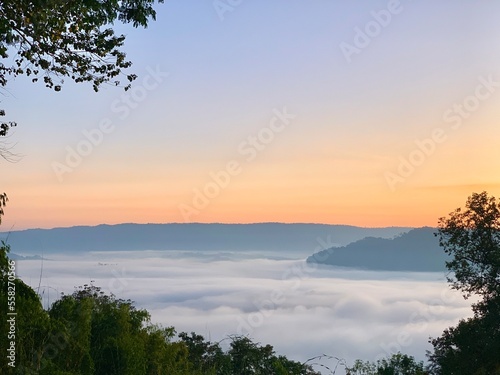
x: 214, y: 223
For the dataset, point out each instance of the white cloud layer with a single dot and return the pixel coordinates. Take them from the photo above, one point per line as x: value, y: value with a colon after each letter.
x: 302, y: 310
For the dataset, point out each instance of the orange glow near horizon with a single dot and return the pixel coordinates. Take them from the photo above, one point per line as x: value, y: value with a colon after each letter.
x: 299, y: 134
x: 408, y: 208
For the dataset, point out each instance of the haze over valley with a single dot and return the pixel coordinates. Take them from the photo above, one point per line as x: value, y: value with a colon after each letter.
x: 304, y: 309
x: 254, y: 280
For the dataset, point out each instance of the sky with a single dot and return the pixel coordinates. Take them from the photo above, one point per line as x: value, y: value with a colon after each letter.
x: 375, y: 113
x: 301, y: 310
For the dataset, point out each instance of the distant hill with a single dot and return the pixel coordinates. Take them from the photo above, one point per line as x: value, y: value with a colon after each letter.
x: 15, y: 256
x: 299, y: 239
x: 416, y: 250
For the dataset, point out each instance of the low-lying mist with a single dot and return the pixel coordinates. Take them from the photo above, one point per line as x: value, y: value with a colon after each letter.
x: 303, y: 310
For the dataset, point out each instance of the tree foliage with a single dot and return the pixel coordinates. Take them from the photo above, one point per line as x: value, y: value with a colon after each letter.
x: 397, y: 364
x: 3, y: 202
x: 5, y: 152
x: 472, y: 347
x: 32, y: 320
x: 244, y: 357
x: 5, y: 125
x: 472, y: 238
x: 54, y: 39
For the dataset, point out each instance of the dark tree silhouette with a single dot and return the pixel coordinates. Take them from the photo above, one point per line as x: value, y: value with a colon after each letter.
x: 3, y: 201
x: 53, y: 39
x: 472, y: 238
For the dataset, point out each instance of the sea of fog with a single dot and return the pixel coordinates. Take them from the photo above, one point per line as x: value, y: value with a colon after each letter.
x: 302, y: 310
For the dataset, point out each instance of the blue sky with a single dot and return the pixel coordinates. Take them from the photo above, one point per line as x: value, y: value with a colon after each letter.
x: 354, y: 120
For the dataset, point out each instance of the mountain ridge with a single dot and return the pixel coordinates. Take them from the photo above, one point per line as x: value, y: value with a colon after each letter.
x: 293, y: 237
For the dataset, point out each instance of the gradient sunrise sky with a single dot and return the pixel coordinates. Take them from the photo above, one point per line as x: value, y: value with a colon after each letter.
x: 372, y: 113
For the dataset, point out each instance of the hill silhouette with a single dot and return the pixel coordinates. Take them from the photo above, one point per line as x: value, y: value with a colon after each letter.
x: 416, y: 250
